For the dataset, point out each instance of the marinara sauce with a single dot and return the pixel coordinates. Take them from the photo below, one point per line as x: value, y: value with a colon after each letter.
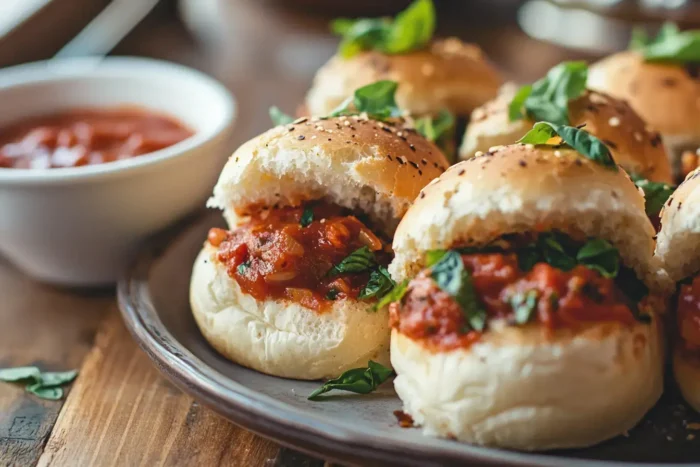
x: 85, y: 137
x: 688, y: 315
x: 564, y: 299
x: 274, y: 256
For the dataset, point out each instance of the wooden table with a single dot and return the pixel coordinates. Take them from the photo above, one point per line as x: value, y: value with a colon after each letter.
x: 120, y: 411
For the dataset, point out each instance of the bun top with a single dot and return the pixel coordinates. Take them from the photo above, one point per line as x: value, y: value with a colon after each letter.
x: 448, y: 74
x: 679, y: 237
x: 611, y: 120
x: 664, y: 95
x: 523, y: 188
x: 377, y: 167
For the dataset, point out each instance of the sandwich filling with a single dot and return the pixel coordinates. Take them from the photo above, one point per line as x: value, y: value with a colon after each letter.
x: 688, y: 315
x: 547, y: 279
x: 313, y: 255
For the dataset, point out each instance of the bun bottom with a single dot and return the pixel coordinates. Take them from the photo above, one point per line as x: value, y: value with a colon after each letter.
x: 283, y: 338
x: 518, y: 388
x: 687, y: 373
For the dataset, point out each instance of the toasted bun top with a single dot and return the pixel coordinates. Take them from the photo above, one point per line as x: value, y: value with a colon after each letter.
x: 636, y: 149
x: 352, y: 161
x: 666, y: 96
x: 521, y: 188
x: 448, y: 74
x: 678, y: 240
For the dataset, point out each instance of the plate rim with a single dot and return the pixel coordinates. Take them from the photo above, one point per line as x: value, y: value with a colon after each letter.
x: 251, y: 410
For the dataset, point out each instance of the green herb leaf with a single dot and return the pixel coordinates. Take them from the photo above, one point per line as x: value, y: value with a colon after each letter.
x: 307, y: 217
x: 380, y: 283
x: 360, y: 260
x: 433, y: 256
x: 241, y: 269
x: 669, y: 45
x: 548, y: 99
x: 583, y: 142
x: 278, y: 117
x: 552, y: 246
x: 57, y: 378
x: 394, y: 295
x: 451, y: 276
x: 23, y: 373
x: 601, y: 256
x: 376, y: 99
x: 43, y: 392
x: 434, y: 128
x: 655, y: 194
x: 357, y: 380
x: 528, y: 256
x: 524, y: 304
x: 412, y: 29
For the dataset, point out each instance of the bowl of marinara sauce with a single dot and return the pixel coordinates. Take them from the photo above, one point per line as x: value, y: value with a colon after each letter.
x: 95, y: 155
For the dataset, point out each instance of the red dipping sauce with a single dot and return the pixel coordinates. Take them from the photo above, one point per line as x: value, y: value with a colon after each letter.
x: 87, y: 137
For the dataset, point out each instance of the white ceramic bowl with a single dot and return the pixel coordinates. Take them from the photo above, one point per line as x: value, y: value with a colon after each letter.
x: 79, y: 226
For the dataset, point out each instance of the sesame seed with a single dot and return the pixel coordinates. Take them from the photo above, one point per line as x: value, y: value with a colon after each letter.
x: 300, y: 120
x: 301, y: 137
x: 495, y: 148
x: 478, y: 154
x: 461, y: 172
x: 614, y: 121
x: 291, y: 128
x: 557, y: 153
x: 346, y: 123
x: 424, y: 162
x: 522, y: 163
x: 529, y: 146
x: 388, y: 156
x: 413, y: 164
x: 401, y: 159
x: 422, y: 194
x: 413, y: 148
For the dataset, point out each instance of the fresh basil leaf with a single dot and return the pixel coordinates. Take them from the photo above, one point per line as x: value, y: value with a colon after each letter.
x: 380, y: 283
x: 528, y: 256
x: 451, y: 276
x: 376, y: 99
x: 434, y: 128
x: 554, y: 252
x: 548, y: 98
x: 669, y: 45
x: 278, y: 117
x: 357, y: 380
x: 243, y: 267
x: 524, y: 305
x: 433, y: 256
x: 360, y: 260
x: 583, y: 142
x: 639, y: 38
x: 655, y: 194
x: 43, y: 392
x: 394, y: 295
x: 516, y: 108
x: 57, y: 378
x: 411, y: 29
x: 601, y: 256
x: 307, y: 217
x: 20, y: 374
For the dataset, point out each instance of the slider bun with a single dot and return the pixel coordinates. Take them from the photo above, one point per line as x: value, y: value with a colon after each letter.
x: 354, y: 162
x: 521, y: 188
x: 665, y: 96
x: 687, y: 373
x: 448, y: 74
x: 637, y: 150
x: 519, y: 388
x: 283, y: 338
x: 679, y: 237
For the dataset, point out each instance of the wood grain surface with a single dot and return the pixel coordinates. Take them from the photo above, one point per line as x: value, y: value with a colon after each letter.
x: 120, y: 411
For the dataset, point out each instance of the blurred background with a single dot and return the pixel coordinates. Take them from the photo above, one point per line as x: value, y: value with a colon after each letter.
x: 266, y: 51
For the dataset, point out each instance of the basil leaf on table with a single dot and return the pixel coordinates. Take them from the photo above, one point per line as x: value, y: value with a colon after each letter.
x: 278, y: 117
x: 670, y: 44
x: 655, y: 194
x: 411, y: 29
x: 43, y: 392
x: 380, y: 283
x: 601, y: 256
x: 394, y: 295
x: 377, y: 100
x: 19, y: 374
x: 44, y: 385
x: 583, y: 142
x: 357, y: 380
x: 307, y: 217
x: 548, y: 98
x: 57, y: 378
x: 451, y: 276
x: 360, y: 260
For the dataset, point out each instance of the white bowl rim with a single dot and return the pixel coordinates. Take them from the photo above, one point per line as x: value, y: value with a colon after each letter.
x: 49, y: 70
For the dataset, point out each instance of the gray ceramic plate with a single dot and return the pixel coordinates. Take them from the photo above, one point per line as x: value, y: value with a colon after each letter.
x: 154, y: 301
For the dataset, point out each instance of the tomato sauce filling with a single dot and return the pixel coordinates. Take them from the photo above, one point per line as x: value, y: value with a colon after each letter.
x: 274, y: 256
x: 688, y: 315
x: 563, y: 299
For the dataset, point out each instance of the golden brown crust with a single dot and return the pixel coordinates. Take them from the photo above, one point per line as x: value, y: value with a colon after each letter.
x: 686, y: 369
x: 449, y: 74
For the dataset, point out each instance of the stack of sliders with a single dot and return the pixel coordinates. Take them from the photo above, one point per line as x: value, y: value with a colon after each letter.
x: 438, y: 78
x: 561, y: 98
x: 528, y: 312
x: 291, y: 288
x: 678, y: 249
x: 660, y: 79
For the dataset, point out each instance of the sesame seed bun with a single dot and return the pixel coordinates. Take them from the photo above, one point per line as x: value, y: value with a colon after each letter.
x: 636, y: 149
x: 448, y: 74
x: 357, y: 163
x: 283, y: 338
x: 520, y: 188
x: 666, y: 96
